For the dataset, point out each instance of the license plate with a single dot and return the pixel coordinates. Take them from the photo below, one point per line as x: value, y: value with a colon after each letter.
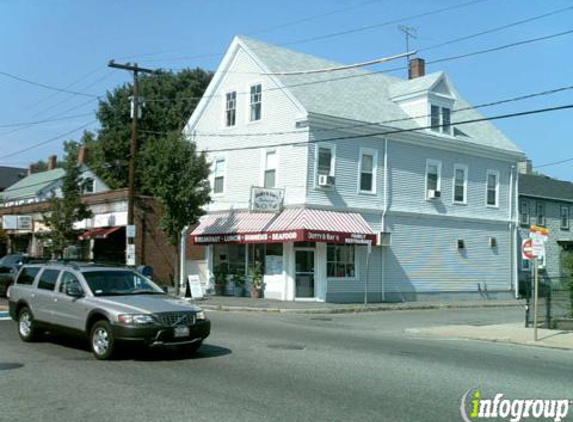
x: 181, y: 332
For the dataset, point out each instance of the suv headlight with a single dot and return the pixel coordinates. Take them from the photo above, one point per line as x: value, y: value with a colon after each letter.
x: 200, y: 316
x: 136, y: 319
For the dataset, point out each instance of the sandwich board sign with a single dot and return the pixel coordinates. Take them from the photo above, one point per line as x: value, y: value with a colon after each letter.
x: 194, y: 286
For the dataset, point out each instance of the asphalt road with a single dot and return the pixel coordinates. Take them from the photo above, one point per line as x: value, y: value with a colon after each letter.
x: 262, y: 367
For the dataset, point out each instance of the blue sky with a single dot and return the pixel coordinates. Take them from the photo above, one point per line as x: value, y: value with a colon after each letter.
x: 58, y: 42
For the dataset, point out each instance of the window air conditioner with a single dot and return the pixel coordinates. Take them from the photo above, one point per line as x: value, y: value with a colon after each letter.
x: 434, y: 194
x: 325, y: 180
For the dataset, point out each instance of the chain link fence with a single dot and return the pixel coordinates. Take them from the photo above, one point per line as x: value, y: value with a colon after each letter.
x: 555, y: 302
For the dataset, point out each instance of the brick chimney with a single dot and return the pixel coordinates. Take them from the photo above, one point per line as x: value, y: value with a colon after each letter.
x: 52, y: 160
x: 525, y: 167
x: 417, y: 68
x: 83, y: 155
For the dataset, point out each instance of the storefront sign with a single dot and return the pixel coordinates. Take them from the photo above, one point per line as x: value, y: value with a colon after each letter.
x: 266, y: 199
x: 17, y: 222
x: 300, y: 235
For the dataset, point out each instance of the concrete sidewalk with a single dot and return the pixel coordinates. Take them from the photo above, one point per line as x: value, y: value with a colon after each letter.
x: 514, y: 333
x: 244, y: 304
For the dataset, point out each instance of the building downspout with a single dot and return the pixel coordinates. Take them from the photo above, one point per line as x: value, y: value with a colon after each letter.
x: 512, y: 242
x: 182, y: 259
x: 384, y: 212
x: 515, y: 234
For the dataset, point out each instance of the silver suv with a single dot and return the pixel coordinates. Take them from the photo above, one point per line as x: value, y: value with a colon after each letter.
x: 107, y: 305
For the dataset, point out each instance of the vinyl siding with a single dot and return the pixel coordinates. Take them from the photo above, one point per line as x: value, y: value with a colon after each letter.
x: 407, y: 182
x: 279, y: 114
x: 345, y: 192
x: 424, y: 256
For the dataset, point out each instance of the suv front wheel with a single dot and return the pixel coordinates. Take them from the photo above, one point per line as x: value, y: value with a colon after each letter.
x: 26, y: 325
x: 102, y: 341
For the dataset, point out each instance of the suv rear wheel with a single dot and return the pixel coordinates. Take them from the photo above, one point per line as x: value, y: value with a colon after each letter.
x: 102, y: 341
x: 26, y: 325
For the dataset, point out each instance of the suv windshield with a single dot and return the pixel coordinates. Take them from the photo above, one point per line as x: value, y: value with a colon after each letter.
x: 110, y: 283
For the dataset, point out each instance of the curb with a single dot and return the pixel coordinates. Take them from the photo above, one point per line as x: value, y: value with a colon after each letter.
x: 359, y: 309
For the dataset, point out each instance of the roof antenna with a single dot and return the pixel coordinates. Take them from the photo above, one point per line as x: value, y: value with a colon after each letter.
x: 409, y: 32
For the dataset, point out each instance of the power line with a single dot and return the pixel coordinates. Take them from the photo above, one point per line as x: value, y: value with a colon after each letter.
x: 340, y: 33
x: 38, y: 122
x: 370, y: 124
x: 42, y: 85
x: 47, y: 141
x: 378, y: 72
x: 554, y: 163
x: 260, y: 31
x: 496, y: 29
x: 394, y: 131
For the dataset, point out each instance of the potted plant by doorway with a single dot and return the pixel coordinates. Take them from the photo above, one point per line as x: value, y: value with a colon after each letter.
x: 256, y: 281
x: 238, y: 279
x: 220, y: 273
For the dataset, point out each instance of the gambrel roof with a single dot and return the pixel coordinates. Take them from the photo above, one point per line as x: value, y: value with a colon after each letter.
x: 361, y: 95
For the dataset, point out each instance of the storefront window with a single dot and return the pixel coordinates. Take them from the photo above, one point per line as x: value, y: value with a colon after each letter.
x: 340, y: 261
x: 274, y: 259
x: 233, y: 255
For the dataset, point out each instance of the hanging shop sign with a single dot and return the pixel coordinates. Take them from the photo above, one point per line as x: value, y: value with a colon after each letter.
x: 266, y: 199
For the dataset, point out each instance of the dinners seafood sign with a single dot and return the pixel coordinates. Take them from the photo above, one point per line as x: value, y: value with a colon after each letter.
x: 266, y: 199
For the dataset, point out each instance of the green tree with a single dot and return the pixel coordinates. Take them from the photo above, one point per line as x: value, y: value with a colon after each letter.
x: 64, y: 211
x: 169, y: 100
x: 175, y: 175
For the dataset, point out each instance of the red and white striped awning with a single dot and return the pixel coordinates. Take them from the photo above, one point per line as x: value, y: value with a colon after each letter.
x: 292, y: 225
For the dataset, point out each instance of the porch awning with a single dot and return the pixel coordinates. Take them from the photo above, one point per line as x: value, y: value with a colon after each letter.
x: 292, y: 225
x: 99, y: 233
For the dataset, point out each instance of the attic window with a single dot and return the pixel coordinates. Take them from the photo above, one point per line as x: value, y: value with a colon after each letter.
x: 440, y: 119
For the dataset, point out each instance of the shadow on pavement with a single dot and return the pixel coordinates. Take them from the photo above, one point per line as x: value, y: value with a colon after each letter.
x: 135, y: 352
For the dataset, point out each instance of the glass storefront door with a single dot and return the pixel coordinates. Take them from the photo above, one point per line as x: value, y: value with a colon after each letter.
x: 304, y: 273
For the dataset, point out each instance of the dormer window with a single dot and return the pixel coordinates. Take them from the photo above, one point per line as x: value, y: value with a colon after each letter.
x: 440, y: 119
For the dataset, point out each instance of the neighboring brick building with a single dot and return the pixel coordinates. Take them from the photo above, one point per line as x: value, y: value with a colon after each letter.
x: 546, y: 202
x: 102, y: 238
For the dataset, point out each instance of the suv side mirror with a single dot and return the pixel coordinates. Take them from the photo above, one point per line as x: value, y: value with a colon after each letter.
x: 74, y: 291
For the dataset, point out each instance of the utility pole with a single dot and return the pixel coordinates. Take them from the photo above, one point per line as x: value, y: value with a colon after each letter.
x: 409, y: 32
x: 135, y: 104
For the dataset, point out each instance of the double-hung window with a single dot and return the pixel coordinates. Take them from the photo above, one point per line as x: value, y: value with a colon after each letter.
x: 256, y: 102
x: 270, y: 172
x: 564, y: 218
x: 524, y: 213
x: 325, y: 157
x: 440, y: 119
x: 219, y: 176
x: 231, y: 108
x: 540, y: 214
x: 460, y: 184
x: 433, y: 178
x: 492, y: 188
x: 340, y: 261
x: 367, y: 168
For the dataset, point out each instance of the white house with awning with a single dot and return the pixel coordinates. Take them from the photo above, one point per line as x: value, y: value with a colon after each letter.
x: 350, y: 184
